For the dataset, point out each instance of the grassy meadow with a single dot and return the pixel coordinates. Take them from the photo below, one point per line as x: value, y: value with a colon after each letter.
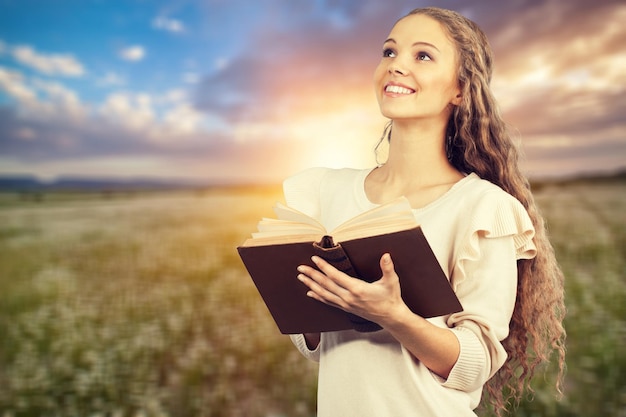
x: 137, y: 305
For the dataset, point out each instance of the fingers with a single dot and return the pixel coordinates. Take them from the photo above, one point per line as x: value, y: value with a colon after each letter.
x: 330, y: 274
x: 369, y: 300
x: 389, y: 278
x: 323, y: 266
x: 318, y: 291
x: 386, y: 265
x: 321, y: 283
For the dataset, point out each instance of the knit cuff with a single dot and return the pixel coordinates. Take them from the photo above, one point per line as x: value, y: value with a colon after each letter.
x: 300, y: 342
x: 471, y: 368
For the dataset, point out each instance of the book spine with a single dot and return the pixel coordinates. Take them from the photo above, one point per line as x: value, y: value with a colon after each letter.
x: 336, y: 256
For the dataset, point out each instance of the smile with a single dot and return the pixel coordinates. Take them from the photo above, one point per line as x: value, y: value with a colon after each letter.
x: 396, y: 89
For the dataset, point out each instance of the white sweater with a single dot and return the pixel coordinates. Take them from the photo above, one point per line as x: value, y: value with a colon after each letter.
x: 477, y: 231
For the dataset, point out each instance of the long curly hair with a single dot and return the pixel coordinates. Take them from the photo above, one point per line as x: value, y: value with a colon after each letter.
x: 478, y: 141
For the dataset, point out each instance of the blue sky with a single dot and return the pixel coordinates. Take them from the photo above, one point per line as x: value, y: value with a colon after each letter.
x: 233, y: 90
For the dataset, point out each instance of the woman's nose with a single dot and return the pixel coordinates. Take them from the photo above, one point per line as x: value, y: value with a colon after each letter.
x: 396, y: 68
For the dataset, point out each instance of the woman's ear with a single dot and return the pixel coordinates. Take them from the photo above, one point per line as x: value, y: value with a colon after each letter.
x: 457, y: 99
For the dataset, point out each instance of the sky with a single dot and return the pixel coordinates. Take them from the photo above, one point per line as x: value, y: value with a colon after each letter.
x: 254, y: 91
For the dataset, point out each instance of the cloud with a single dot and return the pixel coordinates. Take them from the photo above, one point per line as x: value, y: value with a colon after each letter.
x: 125, y: 126
x: 303, y: 62
x: 299, y: 85
x: 61, y: 98
x: 50, y: 64
x: 134, y: 111
x: 133, y: 53
x: 561, y: 86
x: 41, y: 100
x: 558, y: 73
x: 26, y: 133
x: 174, y: 96
x: 160, y: 118
x: 49, y: 123
x: 191, y: 77
x: 167, y: 24
x: 182, y: 119
x: 221, y: 63
x: 110, y: 79
x: 567, y: 81
x: 12, y: 82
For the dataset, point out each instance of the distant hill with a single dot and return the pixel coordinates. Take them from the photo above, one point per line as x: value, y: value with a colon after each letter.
x: 31, y: 184
x: 26, y: 183
x: 589, y: 178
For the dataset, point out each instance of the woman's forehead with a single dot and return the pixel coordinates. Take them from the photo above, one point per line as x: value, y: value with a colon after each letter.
x: 421, y: 28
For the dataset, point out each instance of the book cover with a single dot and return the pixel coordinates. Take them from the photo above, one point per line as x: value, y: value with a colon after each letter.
x: 272, y: 256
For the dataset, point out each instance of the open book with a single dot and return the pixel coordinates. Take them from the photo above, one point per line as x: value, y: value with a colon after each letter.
x: 355, y: 247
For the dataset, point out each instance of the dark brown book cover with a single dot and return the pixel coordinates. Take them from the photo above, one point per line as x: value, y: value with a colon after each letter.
x: 425, y: 287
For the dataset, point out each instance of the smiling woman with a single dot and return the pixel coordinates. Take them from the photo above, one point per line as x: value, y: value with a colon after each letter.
x: 451, y: 157
x: 432, y: 61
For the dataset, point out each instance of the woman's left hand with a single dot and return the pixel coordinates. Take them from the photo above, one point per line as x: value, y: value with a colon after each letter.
x: 378, y: 301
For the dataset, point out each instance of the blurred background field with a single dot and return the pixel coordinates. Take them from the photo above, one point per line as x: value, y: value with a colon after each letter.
x: 136, y: 304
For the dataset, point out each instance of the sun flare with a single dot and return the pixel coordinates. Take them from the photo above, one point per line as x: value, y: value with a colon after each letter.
x: 338, y: 139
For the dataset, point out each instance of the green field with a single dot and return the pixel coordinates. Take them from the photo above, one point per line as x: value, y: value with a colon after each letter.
x: 137, y: 305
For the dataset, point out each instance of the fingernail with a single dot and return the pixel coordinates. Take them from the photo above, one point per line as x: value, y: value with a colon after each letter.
x: 386, y: 258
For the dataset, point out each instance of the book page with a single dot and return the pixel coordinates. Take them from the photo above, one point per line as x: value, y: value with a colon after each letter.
x: 388, y: 218
x: 277, y: 227
x: 269, y: 239
x: 286, y: 213
x: 384, y: 225
x: 293, y: 226
x: 399, y: 206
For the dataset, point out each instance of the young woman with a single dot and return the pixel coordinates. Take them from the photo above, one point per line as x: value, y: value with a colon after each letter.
x: 451, y: 156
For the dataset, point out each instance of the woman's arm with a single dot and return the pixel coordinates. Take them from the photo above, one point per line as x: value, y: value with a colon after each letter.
x: 437, y: 348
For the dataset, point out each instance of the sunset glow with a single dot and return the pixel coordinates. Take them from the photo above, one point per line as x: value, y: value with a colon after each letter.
x: 240, y: 91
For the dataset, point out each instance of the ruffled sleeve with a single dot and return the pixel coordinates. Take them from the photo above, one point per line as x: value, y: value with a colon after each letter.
x: 496, y: 215
x: 484, y: 277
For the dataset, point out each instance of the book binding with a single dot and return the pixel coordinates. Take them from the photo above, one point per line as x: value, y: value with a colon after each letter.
x: 334, y: 254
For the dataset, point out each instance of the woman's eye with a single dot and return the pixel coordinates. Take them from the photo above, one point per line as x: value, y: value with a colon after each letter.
x: 423, y: 56
x: 387, y: 53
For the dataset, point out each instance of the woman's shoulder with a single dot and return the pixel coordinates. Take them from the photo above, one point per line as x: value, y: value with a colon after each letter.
x: 304, y: 189
x: 317, y: 172
x: 314, y: 177
x: 477, y: 189
x: 495, y: 213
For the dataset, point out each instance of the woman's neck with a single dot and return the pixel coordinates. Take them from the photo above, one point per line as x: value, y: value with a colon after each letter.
x: 417, y: 155
x: 417, y: 166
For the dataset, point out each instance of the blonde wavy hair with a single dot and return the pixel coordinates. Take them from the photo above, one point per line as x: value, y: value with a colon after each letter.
x: 478, y: 141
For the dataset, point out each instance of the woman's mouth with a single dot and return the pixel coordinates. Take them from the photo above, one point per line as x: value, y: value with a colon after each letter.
x: 398, y: 89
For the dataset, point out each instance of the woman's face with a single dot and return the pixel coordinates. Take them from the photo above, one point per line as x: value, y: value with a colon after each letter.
x: 416, y: 78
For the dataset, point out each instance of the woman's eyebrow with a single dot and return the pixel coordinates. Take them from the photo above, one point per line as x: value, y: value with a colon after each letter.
x: 391, y: 40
